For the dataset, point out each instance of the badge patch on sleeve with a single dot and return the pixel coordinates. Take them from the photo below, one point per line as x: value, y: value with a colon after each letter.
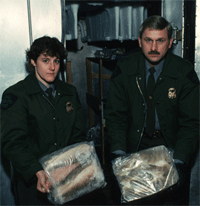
x: 8, y: 100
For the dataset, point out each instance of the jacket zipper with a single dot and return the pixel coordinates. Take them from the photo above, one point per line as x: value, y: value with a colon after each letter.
x: 48, y: 101
x: 145, y: 112
x: 54, y: 117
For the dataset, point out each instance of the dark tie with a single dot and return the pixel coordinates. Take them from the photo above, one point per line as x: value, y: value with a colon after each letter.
x: 49, y: 92
x: 150, y: 122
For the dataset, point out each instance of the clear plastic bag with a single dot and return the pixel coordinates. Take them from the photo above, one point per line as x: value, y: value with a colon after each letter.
x: 73, y: 171
x: 145, y: 173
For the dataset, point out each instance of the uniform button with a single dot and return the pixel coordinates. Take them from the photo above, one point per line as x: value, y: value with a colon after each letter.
x: 140, y: 78
x: 138, y: 130
x: 55, y: 144
x: 54, y: 118
x: 58, y: 93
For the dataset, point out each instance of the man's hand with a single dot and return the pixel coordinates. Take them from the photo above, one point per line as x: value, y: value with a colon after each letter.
x: 182, y: 172
x: 43, y: 185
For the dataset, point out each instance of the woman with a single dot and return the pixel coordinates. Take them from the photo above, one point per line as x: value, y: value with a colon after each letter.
x: 36, y: 122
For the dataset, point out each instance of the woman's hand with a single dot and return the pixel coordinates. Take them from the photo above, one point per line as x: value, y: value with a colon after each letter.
x: 43, y: 185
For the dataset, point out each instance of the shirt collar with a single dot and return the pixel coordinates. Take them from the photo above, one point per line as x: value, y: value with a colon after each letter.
x: 44, y: 88
x: 158, y: 67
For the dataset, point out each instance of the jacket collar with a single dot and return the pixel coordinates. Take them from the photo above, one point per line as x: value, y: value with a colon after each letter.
x: 32, y: 86
x: 62, y: 88
x: 168, y: 67
x: 138, y: 67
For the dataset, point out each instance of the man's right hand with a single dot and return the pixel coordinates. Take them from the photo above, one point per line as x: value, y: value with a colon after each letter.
x: 43, y: 185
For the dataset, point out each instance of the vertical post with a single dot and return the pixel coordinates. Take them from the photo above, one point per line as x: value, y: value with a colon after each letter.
x: 69, y: 72
x: 101, y: 106
x: 89, y: 90
x: 194, y: 176
x: 29, y: 22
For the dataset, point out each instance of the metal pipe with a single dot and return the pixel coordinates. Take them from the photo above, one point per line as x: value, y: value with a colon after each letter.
x: 83, y: 37
x: 29, y: 22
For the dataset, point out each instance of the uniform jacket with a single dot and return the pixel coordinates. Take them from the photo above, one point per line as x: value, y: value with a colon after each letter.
x: 32, y: 127
x: 175, y: 98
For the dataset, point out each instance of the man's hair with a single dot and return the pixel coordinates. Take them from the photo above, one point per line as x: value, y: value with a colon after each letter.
x: 157, y: 23
x: 45, y: 45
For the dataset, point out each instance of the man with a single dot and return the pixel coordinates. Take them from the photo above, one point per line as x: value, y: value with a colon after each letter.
x: 36, y: 123
x: 139, y: 116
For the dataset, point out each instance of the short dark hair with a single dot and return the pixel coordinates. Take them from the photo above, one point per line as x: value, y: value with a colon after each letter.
x: 158, y: 23
x: 49, y: 45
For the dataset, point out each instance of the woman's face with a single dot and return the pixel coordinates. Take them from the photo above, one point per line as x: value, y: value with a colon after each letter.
x: 46, y: 68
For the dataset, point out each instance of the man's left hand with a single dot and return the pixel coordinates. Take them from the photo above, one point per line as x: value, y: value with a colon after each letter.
x: 182, y: 172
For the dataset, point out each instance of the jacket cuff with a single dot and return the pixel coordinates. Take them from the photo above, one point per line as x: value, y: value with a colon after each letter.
x: 178, y: 161
x: 29, y: 175
x: 181, y: 157
x: 119, y: 152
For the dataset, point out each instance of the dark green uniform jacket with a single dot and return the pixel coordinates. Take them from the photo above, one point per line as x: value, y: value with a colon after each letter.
x: 175, y: 97
x: 32, y: 127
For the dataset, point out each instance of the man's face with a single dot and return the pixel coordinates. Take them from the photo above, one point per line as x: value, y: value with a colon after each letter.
x: 155, y: 44
x: 46, y: 68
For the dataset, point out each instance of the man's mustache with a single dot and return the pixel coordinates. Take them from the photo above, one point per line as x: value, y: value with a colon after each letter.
x: 154, y: 52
